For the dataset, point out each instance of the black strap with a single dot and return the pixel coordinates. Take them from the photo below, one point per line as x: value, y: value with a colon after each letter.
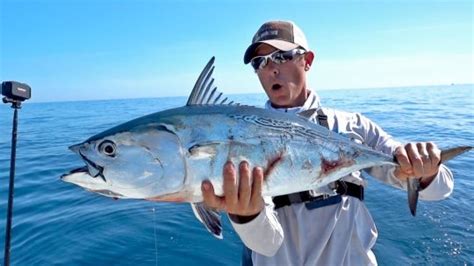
x: 350, y: 189
x: 322, y: 118
x: 342, y: 188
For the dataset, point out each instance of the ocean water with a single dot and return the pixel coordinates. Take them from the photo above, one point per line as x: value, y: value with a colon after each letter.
x: 56, y: 223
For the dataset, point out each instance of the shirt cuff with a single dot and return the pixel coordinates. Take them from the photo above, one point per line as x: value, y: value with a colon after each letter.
x: 241, y: 227
x: 440, y: 187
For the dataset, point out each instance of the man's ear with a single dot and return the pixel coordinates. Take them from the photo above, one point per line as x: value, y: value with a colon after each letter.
x: 308, y: 57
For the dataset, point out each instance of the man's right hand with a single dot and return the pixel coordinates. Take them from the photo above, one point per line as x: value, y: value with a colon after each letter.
x: 242, y: 200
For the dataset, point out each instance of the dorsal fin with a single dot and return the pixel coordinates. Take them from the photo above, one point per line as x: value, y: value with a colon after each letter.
x: 200, y: 94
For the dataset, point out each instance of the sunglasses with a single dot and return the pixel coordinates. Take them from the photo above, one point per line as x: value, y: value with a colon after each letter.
x: 277, y: 57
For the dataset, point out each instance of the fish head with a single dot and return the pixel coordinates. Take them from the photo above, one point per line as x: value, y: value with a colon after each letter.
x: 142, y: 163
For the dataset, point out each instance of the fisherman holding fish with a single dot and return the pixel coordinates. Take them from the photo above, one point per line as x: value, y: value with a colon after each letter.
x: 327, y: 226
x: 296, y: 195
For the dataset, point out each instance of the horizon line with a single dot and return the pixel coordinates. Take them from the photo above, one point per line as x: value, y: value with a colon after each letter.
x: 252, y: 93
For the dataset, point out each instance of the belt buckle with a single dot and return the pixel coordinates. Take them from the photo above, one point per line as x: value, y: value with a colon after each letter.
x: 323, y: 201
x: 319, y: 197
x: 314, y: 197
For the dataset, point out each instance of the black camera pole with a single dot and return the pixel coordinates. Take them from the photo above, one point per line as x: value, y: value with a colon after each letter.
x: 14, y: 92
x: 15, y: 105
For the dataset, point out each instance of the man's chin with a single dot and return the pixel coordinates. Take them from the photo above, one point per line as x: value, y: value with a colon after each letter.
x: 280, y: 104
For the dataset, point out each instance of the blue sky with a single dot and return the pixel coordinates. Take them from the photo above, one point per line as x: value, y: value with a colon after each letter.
x: 81, y: 50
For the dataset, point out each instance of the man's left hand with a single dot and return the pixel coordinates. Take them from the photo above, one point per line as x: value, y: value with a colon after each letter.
x: 418, y: 160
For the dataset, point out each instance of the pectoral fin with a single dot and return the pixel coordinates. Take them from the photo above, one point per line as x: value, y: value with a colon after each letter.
x: 210, y: 218
x: 203, y: 150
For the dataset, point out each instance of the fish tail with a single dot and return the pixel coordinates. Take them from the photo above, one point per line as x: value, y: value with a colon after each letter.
x: 413, y: 187
x: 449, y: 154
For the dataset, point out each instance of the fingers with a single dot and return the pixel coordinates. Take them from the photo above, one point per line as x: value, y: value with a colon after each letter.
x: 414, y: 153
x: 425, y: 157
x: 256, y: 200
x: 247, y: 200
x: 420, y: 159
x: 405, y: 169
x: 434, y: 153
x: 245, y: 188
x: 242, y: 193
x: 230, y: 186
x: 209, y: 197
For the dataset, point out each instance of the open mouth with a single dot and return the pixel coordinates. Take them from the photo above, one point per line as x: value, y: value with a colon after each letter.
x: 82, y: 169
x: 94, y: 169
x: 276, y: 87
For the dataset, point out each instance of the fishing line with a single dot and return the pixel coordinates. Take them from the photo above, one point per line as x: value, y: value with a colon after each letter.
x: 154, y: 232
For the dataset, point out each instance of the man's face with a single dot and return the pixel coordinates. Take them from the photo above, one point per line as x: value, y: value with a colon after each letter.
x: 284, y: 84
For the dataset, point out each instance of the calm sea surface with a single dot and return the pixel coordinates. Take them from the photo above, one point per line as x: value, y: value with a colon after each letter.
x: 56, y: 223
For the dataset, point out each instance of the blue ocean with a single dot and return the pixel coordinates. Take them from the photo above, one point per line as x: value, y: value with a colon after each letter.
x: 56, y: 223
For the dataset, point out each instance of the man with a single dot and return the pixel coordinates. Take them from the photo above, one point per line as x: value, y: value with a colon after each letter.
x: 329, y: 226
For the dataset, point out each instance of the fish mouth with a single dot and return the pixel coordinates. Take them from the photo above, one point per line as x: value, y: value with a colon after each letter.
x: 82, y: 169
x: 93, y: 169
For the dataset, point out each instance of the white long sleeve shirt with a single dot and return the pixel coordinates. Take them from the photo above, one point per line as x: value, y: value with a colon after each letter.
x: 338, y: 234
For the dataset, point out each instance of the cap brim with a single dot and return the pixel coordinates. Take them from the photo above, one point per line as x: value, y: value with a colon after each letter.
x: 278, y: 44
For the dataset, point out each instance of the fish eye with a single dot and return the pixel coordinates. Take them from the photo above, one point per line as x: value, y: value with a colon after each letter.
x: 108, y: 148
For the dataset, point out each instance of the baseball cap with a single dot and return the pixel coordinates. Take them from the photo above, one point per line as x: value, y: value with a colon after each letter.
x: 283, y: 35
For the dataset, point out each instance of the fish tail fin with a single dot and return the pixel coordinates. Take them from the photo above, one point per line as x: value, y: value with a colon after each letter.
x: 449, y: 154
x: 413, y: 187
x: 210, y: 218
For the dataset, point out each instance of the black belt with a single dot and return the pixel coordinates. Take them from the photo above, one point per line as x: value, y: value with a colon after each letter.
x: 342, y: 188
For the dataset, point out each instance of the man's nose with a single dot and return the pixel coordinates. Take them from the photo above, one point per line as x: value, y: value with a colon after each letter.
x: 274, y: 68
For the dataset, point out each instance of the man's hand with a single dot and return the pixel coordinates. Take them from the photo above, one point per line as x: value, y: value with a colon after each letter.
x: 242, y: 200
x: 418, y: 160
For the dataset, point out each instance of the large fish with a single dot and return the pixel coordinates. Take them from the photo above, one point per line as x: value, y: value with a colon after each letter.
x: 165, y: 156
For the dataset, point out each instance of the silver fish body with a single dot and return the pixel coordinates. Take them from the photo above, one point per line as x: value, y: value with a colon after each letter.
x: 168, y: 154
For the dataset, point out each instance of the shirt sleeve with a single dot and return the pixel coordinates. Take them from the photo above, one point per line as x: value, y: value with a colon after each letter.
x: 374, y: 136
x: 263, y: 234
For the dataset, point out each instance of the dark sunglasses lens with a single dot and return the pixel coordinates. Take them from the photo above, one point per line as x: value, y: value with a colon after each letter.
x: 256, y: 62
x: 288, y: 55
